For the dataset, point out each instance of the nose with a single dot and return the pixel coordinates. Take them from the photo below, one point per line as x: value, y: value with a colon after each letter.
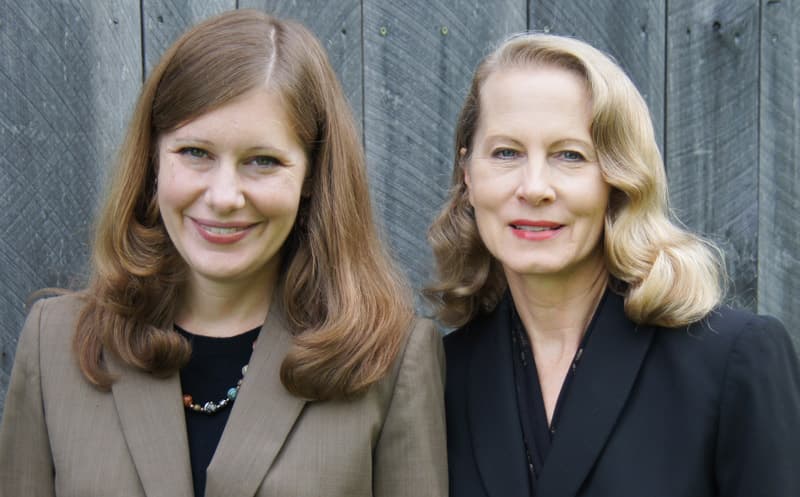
x: 224, y: 192
x: 535, y: 186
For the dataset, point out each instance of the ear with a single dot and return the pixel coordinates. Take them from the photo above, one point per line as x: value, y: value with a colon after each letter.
x: 463, y: 161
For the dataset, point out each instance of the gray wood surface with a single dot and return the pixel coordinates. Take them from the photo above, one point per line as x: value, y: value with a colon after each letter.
x: 636, y: 39
x: 418, y: 61
x: 68, y: 74
x: 722, y: 78
x: 712, y: 128
x: 166, y: 20
x: 779, y: 164
x: 338, y: 26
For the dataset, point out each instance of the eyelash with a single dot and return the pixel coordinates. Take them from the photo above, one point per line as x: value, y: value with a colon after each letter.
x: 578, y: 157
x: 193, y: 152
x: 500, y: 154
x: 271, y: 161
x: 197, y: 153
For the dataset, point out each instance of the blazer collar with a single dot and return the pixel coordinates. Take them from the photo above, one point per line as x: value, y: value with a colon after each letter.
x: 152, y: 419
x: 152, y: 416
x: 492, y: 407
x: 261, y: 417
x: 600, y: 388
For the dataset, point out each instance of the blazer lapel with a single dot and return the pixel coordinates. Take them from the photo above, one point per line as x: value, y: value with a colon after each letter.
x: 492, y: 408
x: 151, y: 415
x: 261, y: 417
x: 600, y: 388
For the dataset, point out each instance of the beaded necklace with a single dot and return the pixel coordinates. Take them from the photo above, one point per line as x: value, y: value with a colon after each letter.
x: 212, y: 407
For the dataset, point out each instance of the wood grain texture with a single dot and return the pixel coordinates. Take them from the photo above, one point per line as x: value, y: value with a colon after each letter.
x: 712, y: 128
x: 338, y: 26
x: 166, y: 20
x: 68, y: 74
x: 779, y: 161
x: 418, y: 60
x: 636, y: 39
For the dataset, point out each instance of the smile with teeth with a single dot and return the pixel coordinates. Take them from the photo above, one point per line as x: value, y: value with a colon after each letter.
x: 220, y: 230
x: 534, y: 228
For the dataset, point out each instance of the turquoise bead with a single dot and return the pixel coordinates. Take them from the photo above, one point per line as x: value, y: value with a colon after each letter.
x: 232, y: 393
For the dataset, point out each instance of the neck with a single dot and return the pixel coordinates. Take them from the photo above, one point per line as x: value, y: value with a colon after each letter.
x: 556, y: 310
x: 225, y: 308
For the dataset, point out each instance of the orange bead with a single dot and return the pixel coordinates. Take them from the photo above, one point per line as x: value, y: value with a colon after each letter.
x: 187, y: 400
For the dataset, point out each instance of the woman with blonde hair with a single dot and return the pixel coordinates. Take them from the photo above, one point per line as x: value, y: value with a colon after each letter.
x: 243, y: 332
x: 593, y: 355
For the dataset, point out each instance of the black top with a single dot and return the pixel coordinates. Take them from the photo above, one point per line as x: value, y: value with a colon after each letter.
x: 537, y: 435
x: 707, y: 410
x: 214, y: 367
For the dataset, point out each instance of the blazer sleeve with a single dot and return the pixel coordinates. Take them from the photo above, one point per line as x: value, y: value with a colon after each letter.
x: 26, y: 464
x: 411, y: 457
x: 758, y: 447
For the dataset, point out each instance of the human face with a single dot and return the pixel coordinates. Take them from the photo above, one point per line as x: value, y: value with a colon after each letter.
x: 533, y: 178
x: 229, y: 187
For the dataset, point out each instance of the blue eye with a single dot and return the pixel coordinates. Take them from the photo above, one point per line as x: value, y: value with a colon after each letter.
x: 504, y: 153
x: 572, y: 156
x: 193, y: 152
x: 265, y: 161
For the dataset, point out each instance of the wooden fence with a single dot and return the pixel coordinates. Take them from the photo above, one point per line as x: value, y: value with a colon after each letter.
x: 722, y: 78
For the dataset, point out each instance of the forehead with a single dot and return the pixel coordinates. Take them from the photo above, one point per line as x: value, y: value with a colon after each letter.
x: 254, y: 115
x: 536, y: 83
x: 540, y: 97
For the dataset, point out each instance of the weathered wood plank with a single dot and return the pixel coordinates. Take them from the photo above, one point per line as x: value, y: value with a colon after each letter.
x: 779, y: 161
x: 632, y: 31
x: 712, y: 128
x: 418, y: 60
x: 338, y: 26
x: 68, y: 74
x: 166, y: 20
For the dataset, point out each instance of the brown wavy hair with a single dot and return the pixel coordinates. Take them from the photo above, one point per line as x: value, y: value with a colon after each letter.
x: 668, y: 276
x: 347, y: 306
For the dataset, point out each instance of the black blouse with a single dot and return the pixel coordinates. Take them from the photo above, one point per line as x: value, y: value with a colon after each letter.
x: 214, y: 367
x: 537, y: 435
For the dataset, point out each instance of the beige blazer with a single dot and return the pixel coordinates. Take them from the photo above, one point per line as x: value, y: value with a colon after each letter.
x: 60, y: 436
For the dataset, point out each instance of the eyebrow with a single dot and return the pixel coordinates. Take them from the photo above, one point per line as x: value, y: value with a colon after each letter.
x: 502, y: 137
x: 189, y: 140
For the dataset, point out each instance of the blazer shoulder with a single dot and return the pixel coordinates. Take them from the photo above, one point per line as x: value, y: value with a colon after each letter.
x: 56, y: 316
x: 423, y: 340
x: 725, y: 337
x: 732, y: 325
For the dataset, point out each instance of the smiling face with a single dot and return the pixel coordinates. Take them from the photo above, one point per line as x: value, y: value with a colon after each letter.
x: 229, y: 187
x: 532, y: 175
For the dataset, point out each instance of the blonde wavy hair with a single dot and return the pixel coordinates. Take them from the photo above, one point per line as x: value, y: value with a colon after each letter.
x: 667, y: 275
x: 348, y: 307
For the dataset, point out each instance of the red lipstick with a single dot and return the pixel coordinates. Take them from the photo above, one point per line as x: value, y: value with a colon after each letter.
x: 222, y: 233
x: 534, y: 230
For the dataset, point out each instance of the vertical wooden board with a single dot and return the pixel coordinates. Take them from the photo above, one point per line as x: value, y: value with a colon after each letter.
x: 418, y: 58
x: 338, y: 27
x: 712, y: 128
x: 69, y: 72
x: 632, y: 31
x: 779, y: 161
x: 165, y: 20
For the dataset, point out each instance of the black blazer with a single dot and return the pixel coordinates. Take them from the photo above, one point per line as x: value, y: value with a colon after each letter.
x: 708, y: 410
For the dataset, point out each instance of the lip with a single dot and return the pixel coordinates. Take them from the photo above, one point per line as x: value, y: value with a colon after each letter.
x: 239, y: 230
x: 546, y: 229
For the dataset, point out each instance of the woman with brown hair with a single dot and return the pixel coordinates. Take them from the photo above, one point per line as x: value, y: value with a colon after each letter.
x: 593, y: 356
x: 243, y: 332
